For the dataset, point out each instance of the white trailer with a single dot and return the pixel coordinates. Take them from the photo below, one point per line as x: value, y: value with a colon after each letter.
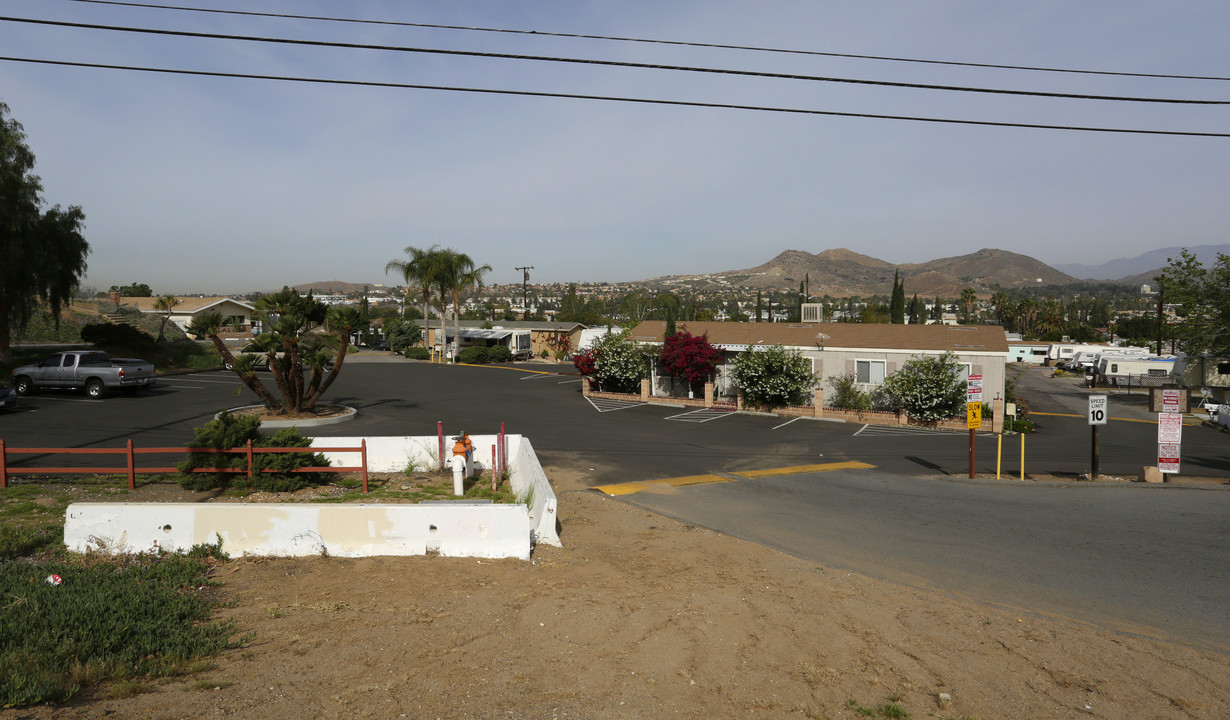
x: 1122, y: 366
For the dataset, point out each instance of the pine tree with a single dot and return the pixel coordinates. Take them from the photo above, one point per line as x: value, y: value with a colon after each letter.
x: 896, y: 309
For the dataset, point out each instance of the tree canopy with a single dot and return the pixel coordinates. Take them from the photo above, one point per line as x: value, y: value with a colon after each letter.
x: 1203, y: 300
x: 43, y: 252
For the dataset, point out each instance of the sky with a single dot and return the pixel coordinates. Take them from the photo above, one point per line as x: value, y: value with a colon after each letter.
x: 196, y: 184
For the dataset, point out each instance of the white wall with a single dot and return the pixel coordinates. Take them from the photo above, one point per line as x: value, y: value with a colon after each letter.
x: 296, y: 529
x: 452, y: 528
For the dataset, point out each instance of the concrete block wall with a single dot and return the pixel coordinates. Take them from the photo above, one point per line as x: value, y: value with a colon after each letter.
x: 525, y: 473
x: 455, y: 529
x: 297, y: 529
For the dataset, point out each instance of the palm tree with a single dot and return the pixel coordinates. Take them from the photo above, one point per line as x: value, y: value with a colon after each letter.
x: 165, y: 304
x: 969, y: 298
x: 457, y: 273
x: 419, y: 272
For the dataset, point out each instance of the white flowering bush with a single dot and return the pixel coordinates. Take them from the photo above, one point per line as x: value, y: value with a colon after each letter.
x: 619, y: 363
x: 774, y: 376
x: 929, y: 388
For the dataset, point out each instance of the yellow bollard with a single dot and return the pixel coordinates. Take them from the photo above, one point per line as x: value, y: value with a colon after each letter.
x: 999, y: 454
x: 1022, y: 456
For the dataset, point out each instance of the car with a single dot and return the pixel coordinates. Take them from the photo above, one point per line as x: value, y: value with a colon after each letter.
x: 381, y: 346
x: 8, y: 398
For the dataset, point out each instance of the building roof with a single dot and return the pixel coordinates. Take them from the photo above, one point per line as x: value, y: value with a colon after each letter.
x: 738, y: 336
x: 509, y: 324
x: 188, y: 304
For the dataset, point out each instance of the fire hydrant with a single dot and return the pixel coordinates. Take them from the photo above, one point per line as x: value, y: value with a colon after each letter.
x: 463, y: 449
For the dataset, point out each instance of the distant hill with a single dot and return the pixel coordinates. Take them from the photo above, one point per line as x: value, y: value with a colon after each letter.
x: 335, y: 287
x: 1142, y: 268
x: 841, y: 272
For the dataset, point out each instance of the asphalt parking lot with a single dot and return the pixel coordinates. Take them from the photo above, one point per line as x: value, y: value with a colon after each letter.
x: 1144, y: 558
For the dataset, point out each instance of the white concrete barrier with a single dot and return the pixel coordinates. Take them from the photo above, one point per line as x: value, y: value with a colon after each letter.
x: 525, y: 474
x: 453, y: 528
x: 460, y: 529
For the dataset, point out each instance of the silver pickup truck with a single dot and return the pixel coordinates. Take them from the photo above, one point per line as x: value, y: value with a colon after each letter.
x: 93, y: 370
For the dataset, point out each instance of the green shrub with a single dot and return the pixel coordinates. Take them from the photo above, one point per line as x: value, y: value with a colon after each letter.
x: 847, y: 395
x: 417, y: 353
x: 474, y: 355
x: 499, y: 354
x: 117, y: 336
x: 234, y: 431
x: 106, y: 622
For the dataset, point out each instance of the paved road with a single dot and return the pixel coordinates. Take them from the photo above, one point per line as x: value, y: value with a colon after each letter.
x: 1124, y: 555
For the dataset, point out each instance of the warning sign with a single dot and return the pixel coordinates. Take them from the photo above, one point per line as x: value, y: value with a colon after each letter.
x: 1168, y: 457
x: 973, y: 415
x: 1170, y: 428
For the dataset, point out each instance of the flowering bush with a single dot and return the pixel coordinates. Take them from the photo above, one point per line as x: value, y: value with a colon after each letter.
x: 689, y: 357
x: 929, y: 388
x: 774, y: 376
x: 613, y: 363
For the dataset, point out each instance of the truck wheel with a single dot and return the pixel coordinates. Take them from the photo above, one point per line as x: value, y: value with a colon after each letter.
x: 23, y: 386
x: 95, y: 389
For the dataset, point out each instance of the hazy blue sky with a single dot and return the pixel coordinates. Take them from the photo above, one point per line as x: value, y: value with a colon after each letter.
x: 210, y: 184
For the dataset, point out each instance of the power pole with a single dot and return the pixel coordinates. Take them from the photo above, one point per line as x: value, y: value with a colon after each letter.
x: 525, y: 288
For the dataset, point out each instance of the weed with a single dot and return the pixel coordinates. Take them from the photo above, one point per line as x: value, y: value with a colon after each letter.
x: 890, y: 708
x: 126, y: 689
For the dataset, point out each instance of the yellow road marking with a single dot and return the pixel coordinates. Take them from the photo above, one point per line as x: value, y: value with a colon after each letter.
x: 502, y: 367
x: 805, y: 469
x: 631, y: 488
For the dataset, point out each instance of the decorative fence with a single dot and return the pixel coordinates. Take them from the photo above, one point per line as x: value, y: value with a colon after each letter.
x: 131, y: 470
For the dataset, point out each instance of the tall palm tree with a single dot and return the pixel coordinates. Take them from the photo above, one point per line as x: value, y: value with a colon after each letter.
x: 419, y: 272
x: 457, y: 273
x: 969, y: 298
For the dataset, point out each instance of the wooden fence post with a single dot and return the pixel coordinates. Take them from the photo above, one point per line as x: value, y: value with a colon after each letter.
x: 363, y: 450
x: 4, y: 468
x: 132, y: 477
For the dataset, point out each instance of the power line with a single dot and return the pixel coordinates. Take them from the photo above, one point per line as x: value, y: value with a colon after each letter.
x: 646, y: 101
x: 608, y: 63
x: 752, y: 48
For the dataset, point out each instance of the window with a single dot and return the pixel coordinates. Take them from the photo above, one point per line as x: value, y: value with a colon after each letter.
x: 1223, y: 368
x: 1114, y: 367
x: 869, y: 372
x: 1157, y: 372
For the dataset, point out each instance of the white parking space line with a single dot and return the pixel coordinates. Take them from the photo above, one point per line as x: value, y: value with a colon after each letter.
x: 44, y: 396
x: 175, y: 381
x: 565, y: 382
x: 604, y: 405
x: 699, y: 416
x: 787, y: 423
x: 895, y: 430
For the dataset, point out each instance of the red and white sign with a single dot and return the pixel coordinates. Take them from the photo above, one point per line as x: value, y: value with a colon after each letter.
x: 973, y: 389
x: 1172, y: 400
x: 1169, y: 428
x: 1168, y: 457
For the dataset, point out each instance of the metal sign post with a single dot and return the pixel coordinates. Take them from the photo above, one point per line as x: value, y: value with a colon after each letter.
x: 973, y: 413
x: 1097, y: 416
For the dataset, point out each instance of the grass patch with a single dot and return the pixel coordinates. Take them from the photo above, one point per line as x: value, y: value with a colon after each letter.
x: 421, y: 488
x: 890, y: 708
x: 117, y: 621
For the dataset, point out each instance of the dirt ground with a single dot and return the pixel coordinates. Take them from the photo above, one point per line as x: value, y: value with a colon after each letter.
x: 640, y: 616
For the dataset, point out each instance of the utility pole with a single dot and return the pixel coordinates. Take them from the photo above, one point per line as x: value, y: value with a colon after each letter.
x: 525, y: 288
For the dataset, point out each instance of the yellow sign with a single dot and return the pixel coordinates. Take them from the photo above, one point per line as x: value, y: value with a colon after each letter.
x: 973, y: 415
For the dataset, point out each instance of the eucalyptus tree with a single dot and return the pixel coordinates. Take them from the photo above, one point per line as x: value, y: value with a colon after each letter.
x: 42, y: 253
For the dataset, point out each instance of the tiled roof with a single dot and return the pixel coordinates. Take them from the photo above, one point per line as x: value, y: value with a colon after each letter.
x: 969, y: 338
x: 185, y: 305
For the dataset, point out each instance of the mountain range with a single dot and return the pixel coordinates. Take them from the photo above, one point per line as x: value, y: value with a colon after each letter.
x: 841, y: 272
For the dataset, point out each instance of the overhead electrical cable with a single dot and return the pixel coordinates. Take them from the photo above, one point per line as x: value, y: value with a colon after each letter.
x: 682, y: 43
x: 605, y: 63
x: 647, y: 101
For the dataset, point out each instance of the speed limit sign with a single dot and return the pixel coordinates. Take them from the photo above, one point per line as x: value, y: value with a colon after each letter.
x: 1097, y: 409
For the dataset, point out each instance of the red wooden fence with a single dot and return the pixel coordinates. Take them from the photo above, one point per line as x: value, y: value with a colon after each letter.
x: 131, y: 469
